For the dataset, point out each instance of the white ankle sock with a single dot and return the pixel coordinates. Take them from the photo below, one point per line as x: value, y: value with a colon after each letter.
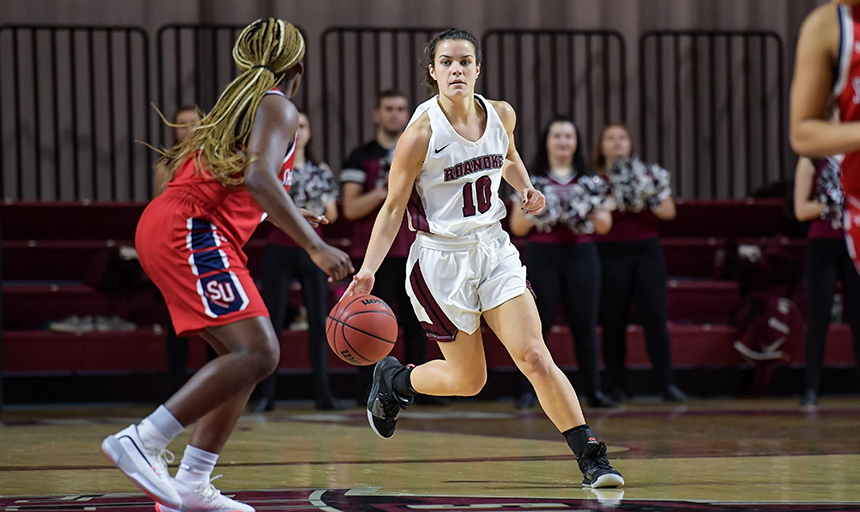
x: 196, y: 467
x: 158, y: 429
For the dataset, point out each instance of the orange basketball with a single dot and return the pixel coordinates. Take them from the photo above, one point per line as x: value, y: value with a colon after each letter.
x: 361, y: 329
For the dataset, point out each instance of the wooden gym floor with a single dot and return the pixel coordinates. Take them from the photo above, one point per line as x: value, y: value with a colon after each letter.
x: 737, y: 455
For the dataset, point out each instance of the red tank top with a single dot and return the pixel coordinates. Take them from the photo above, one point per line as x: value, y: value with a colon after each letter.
x: 235, y: 209
x: 846, y: 89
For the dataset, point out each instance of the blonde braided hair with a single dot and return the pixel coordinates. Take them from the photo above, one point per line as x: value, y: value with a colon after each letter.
x: 265, y: 50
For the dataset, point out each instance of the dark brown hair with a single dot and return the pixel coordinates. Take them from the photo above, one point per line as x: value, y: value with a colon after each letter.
x: 388, y: 93
x: 540, y: 166
x: 454, y: 34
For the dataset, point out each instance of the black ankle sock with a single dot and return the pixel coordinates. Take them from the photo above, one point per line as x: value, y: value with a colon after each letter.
x: 578, y: 438
x: 402, y: 381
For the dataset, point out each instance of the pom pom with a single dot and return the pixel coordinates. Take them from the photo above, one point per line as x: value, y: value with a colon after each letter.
x: 571, y: 205
x: 544, y: 220
x: 636, y: 185
x: 828, y: 191
x: 588, y: 194
x: 312, y: 187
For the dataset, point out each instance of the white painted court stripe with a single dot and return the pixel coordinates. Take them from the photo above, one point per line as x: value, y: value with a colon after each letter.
x: 316, y: 500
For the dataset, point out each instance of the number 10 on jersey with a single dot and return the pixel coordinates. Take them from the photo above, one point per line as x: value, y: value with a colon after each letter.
x: 482, y: 190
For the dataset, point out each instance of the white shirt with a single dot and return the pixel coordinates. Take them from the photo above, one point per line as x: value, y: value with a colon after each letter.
x: 457, y: 190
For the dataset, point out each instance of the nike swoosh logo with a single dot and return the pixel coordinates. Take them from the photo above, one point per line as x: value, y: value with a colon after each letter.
x: 443, y: 147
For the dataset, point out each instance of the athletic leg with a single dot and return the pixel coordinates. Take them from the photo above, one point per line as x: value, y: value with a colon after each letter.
x: 252, y: 354
x: 516, y: 324
x: 543, y: 262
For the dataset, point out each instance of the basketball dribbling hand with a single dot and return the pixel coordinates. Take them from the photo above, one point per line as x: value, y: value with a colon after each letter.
x: 362, y: 282
x: 533, y: 200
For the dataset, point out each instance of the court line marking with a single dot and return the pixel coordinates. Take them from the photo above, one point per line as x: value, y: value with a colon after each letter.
x: 316, y: 500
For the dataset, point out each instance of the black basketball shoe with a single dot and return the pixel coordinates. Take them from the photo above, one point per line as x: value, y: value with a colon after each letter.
x: 384, y: 403
x: 595, y: 467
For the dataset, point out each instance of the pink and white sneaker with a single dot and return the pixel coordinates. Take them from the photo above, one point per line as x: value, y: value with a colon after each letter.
x: 145, y: 467
x: 207, y: 498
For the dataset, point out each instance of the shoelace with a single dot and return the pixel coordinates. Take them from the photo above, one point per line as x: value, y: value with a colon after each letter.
x: 595, y: 457
x: 391, y: 404
x: 210, y: 492
x: 163, y: 459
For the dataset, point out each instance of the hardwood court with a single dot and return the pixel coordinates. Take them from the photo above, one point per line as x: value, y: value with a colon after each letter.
x: 707, y: 455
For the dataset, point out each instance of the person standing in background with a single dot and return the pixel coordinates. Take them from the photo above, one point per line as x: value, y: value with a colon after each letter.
x: 365, y: 186
x: 827, y: 262
x: 563, y: 264
x: 284, y: 261
x: 633, y: 271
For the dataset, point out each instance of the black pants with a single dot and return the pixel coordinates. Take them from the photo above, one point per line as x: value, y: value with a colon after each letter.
x: 390, y: 286
x: 634, y: 272
x: 570, y: 274
x: 827, y: 262
x: 281, y: 266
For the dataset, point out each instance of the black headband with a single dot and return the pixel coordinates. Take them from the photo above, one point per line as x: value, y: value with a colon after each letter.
x: 265, y: 67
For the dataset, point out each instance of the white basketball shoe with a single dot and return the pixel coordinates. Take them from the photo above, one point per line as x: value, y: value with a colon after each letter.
x: 207, y: 498
x: 145, y: 467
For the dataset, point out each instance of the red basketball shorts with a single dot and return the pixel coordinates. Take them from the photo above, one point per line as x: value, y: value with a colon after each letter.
x: 202, y: 275
x: 852, y: 228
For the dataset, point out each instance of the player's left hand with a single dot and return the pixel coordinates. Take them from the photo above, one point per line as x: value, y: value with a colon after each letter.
x: 314, y: 219
x: 533, y: 200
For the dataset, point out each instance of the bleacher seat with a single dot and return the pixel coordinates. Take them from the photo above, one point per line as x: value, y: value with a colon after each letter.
x: 53, y: 252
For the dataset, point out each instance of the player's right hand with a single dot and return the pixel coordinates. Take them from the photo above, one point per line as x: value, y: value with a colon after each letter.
x: 362, y: 282
x: 820, y: 208
x: 334, y: 262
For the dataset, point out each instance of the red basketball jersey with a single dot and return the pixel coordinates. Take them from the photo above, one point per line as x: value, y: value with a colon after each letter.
x: 846, y: 89
x: 237, y: 211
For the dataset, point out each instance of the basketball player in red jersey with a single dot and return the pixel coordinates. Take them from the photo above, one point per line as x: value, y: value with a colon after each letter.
x: 231, y: 172
x: 827, y: 70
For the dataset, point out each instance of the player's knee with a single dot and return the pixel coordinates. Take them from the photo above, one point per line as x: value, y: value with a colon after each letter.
x: 265, y: 359
x: 536, y: 363
x: 472, y: 384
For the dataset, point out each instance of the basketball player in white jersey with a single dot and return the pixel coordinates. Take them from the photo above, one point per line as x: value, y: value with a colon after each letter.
x: 446, y: 171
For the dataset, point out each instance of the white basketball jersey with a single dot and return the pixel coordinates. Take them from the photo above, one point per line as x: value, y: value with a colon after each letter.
x: 457, y: 190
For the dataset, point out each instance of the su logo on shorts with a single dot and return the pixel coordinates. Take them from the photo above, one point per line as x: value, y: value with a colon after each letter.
x: 222, y: 293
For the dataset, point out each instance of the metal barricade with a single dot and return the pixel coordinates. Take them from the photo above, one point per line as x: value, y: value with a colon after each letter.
x: 195, y: 63
x: 713, y: 110
x: 357, y: 64
x: 544, y: 73
x: 72, y: 103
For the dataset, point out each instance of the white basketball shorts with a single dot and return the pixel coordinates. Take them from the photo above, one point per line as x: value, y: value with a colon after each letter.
x: 451, y: 281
